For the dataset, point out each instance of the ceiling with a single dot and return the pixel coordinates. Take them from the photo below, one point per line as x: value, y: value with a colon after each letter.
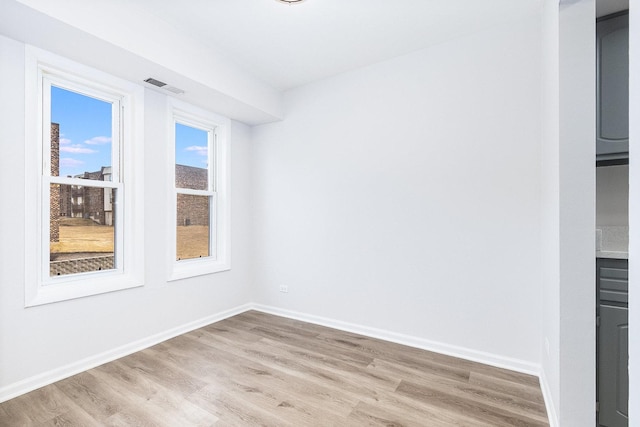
x: 290, y: 45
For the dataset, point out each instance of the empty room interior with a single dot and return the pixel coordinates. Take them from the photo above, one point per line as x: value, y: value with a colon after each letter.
x: 318, y: 212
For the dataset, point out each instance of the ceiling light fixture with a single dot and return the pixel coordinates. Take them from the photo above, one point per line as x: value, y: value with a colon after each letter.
x: 290, y: 1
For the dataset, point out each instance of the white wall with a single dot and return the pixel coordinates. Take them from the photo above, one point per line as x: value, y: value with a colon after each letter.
x: 39, y: 344
x: 577, y: 213
x: 550, y: 232
x: 405, y: 196
x: 568, y: 326
x: 612, y: 196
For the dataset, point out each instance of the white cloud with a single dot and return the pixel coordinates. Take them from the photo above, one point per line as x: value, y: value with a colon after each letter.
x: 77, y: 149
x: 200, y: 150
x: 65, y: 141
x: 98, y: 140
x: 67, y: 162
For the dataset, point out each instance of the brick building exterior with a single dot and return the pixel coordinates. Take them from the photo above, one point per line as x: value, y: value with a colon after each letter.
x: 192, y: 210
x: 54, y: 195
x: 89, y: 202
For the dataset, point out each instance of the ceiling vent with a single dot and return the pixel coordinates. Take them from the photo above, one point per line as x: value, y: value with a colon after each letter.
x: 155, y: 82
x: 164, y: 86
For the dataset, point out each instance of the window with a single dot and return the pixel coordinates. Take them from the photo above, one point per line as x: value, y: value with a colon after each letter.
x: 200, y: 210
x: 83, y: 131
x: 83, y: 177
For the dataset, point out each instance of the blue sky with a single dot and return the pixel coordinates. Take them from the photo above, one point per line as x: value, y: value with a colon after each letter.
x: 85, y: 131
x: 191, y: 146
x: 85, y: 134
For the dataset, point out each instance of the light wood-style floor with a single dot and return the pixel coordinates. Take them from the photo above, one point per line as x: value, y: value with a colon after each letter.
x: 256, y: 369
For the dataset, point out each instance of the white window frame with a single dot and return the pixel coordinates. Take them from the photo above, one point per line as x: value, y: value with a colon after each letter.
x: 219, y: 208
x: 42, y: 69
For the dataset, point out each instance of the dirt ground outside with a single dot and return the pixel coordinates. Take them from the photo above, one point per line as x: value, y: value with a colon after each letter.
x: 83, y: 236
x: 192, y: 241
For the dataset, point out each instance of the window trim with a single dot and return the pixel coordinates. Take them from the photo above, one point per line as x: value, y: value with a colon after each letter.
x: 220, y: 207
x: 41, y: 68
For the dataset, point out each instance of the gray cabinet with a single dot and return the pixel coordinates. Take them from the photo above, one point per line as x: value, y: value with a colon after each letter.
x: 613, y: 342
x: 612, y: 125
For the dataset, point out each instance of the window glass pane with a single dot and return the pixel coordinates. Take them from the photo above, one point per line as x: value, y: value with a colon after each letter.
x: 192, y: 157
x: 193, y: 226
x: 81, y: 237
x: 81, y: 128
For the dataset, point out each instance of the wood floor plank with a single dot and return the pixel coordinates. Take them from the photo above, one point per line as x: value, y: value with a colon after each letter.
x: 234, y: 370
x: 378, y: 415
x: 403, y: 355
x: 380, y: 349
x: 234, y: 409
x: 506, y: 375
x: 406, y: 407
x: 255, y: 319
x: 468, y: 406
x: 229, y: 332
x: 133, y: 418
x: 39, y: 406
x: 312, y: 363
x: 74, y: 418
x: 278, y: 362
x: 178, y: 380
x: 517, y: 403
x: 489, y: 382
x: 165, y: 406
x: 255, y: 369
x: 95, y: 398
x: 412, y: 365
x: 279, y: 333
x: 297, y: 333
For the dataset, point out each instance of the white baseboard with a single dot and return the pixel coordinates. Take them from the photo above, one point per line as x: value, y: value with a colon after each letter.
x: 46, y: 378
x: 548, y: 401
x: 424, y: 344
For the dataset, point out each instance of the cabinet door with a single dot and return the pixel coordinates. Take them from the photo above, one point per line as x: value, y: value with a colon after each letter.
x: 613, y: 370
x: 613, y: 85
x: 612, y: 280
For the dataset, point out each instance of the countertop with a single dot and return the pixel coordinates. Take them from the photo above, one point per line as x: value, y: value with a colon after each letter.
x: 612, y: 242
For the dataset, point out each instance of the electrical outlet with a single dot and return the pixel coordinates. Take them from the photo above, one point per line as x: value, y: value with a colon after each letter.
x: 284, y: 288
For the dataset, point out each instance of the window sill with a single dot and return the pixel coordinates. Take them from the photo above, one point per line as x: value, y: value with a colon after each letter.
x: 193, y: 268
x: 79, y: 287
